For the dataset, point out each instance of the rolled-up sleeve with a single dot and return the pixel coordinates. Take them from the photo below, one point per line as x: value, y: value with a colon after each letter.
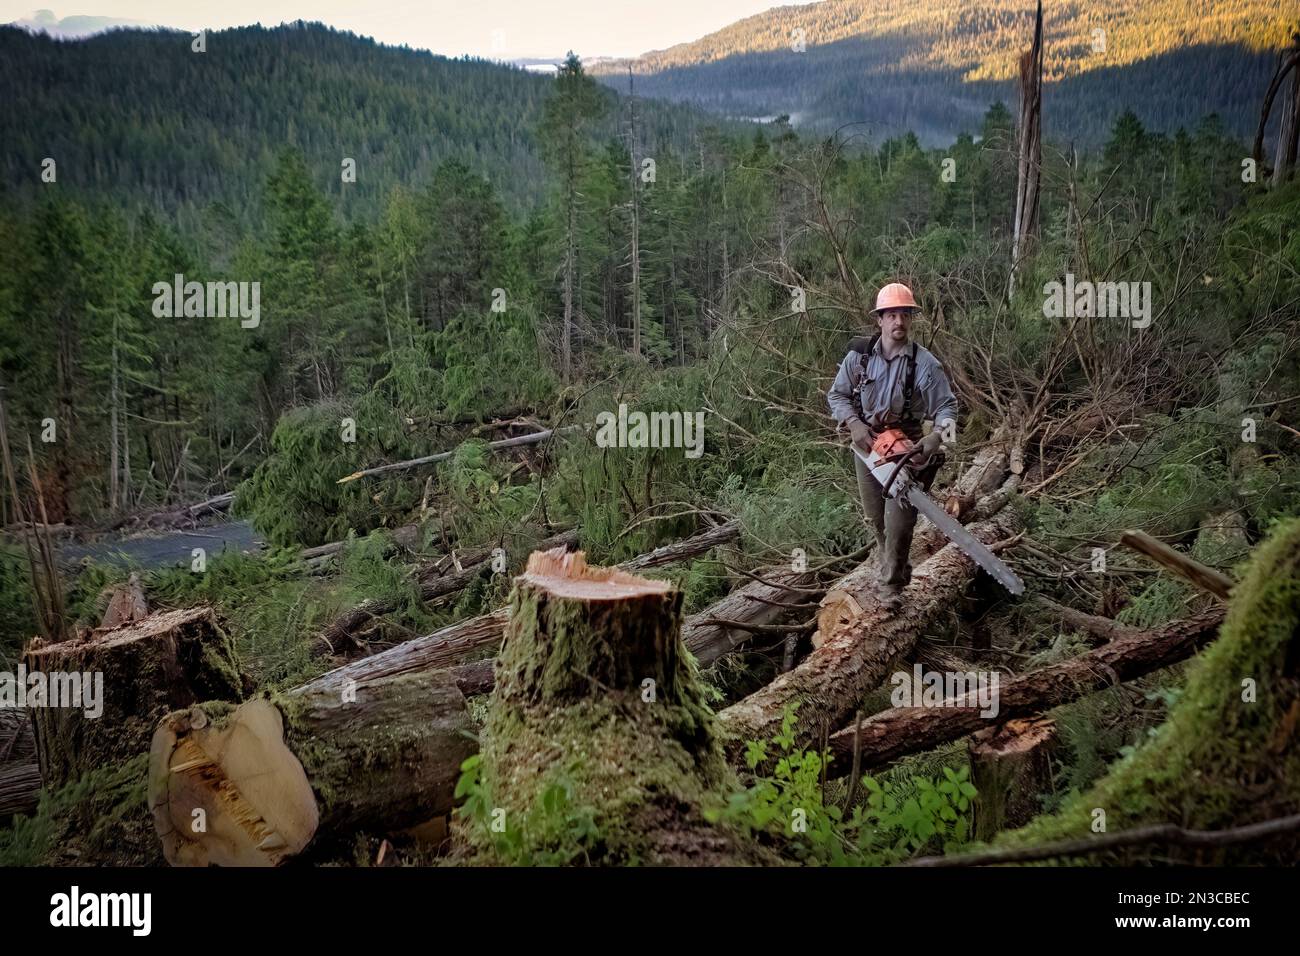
x: 840, y: 396
x: 940, y: 402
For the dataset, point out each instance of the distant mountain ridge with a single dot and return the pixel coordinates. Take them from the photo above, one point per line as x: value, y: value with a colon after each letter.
x: 74, y: 27
x: 935, y: 65
x: 137, y: 113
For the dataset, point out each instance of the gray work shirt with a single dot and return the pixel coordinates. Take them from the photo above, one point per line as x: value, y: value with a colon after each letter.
x: 882, y: 395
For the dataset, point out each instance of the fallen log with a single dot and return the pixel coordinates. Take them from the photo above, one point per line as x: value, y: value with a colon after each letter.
x: 517, y: 441
x: 856, y: 657
x: 20, y: 790
x: 757, y: 603
x: 681, y: 550
x: 118, y: 683
x: 405, y: 536
x: 181, y: 514
x: 900, y: 731
x: 445, y: 647
x: 339, y: 637
x: 984, y: 486
x: 1206, y: 578
x: 271, y: 777
x: 17, y: 742
x: 1104, y: 628
x: 456, y: 643
x: 436, y: 583
x: 593, y: 665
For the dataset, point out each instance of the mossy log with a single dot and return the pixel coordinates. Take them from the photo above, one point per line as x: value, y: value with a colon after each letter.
x: 595, y: 694
x: 274, y: 775
x: 148, y: 668
x: 1229, y: 752
x: 857, y: 656
x: 900, y: 731
x: 1010, y: 766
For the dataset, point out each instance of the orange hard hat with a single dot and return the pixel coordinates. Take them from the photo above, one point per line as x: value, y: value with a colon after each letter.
x: 894, y: 296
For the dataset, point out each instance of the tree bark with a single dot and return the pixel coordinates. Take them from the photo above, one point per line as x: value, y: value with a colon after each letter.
x: 20, y: 777
x: 691, y: 547
x: 1104, y: 628
x: 900, y: 731
x: 169, y: 660
x: 274, y: 776
x: 20, y: 790
x: 1029, y: 150
x: 758, y: 602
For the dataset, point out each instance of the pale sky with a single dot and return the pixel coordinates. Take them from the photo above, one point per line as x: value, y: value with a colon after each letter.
x: 452, y: 27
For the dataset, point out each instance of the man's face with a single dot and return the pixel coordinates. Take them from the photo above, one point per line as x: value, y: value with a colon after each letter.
x: 895, y: 324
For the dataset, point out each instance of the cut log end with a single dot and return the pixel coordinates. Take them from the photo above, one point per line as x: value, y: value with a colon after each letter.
x: 229, y: 791
x: 566, y: 574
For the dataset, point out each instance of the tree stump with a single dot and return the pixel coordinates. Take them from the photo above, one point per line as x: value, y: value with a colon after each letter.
x: 272, y: 776
x: 597, y: 700
x: 144, y: 669
x: 1010, y: 767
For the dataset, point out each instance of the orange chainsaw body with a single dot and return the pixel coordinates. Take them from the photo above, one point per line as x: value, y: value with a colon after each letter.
x: 890, y: 444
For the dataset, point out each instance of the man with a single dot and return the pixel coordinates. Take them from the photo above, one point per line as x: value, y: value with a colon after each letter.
x: 886, y: 382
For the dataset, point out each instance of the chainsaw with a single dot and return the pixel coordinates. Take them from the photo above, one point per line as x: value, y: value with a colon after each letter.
x: 887, y: 461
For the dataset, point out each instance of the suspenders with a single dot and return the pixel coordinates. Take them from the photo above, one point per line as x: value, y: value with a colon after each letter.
x: 864, y: 348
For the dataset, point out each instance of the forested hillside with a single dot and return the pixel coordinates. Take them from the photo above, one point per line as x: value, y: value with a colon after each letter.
x: 141, y: 117
x: 933, y: 67
x: 410, y: 419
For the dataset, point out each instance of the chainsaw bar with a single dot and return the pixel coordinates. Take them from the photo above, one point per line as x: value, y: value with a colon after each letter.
x: 966, y: 542
x: 951, y: 528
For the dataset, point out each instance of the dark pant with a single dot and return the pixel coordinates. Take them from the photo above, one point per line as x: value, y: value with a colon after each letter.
x: 892, y: 520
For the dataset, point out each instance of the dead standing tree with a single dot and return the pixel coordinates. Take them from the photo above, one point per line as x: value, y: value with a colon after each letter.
x: 1288, y: 131
x: 1030, y: 142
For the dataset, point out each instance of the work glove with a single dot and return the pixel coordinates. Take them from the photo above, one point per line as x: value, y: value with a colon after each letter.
x: 928, y: 445
x: 860, y: 432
